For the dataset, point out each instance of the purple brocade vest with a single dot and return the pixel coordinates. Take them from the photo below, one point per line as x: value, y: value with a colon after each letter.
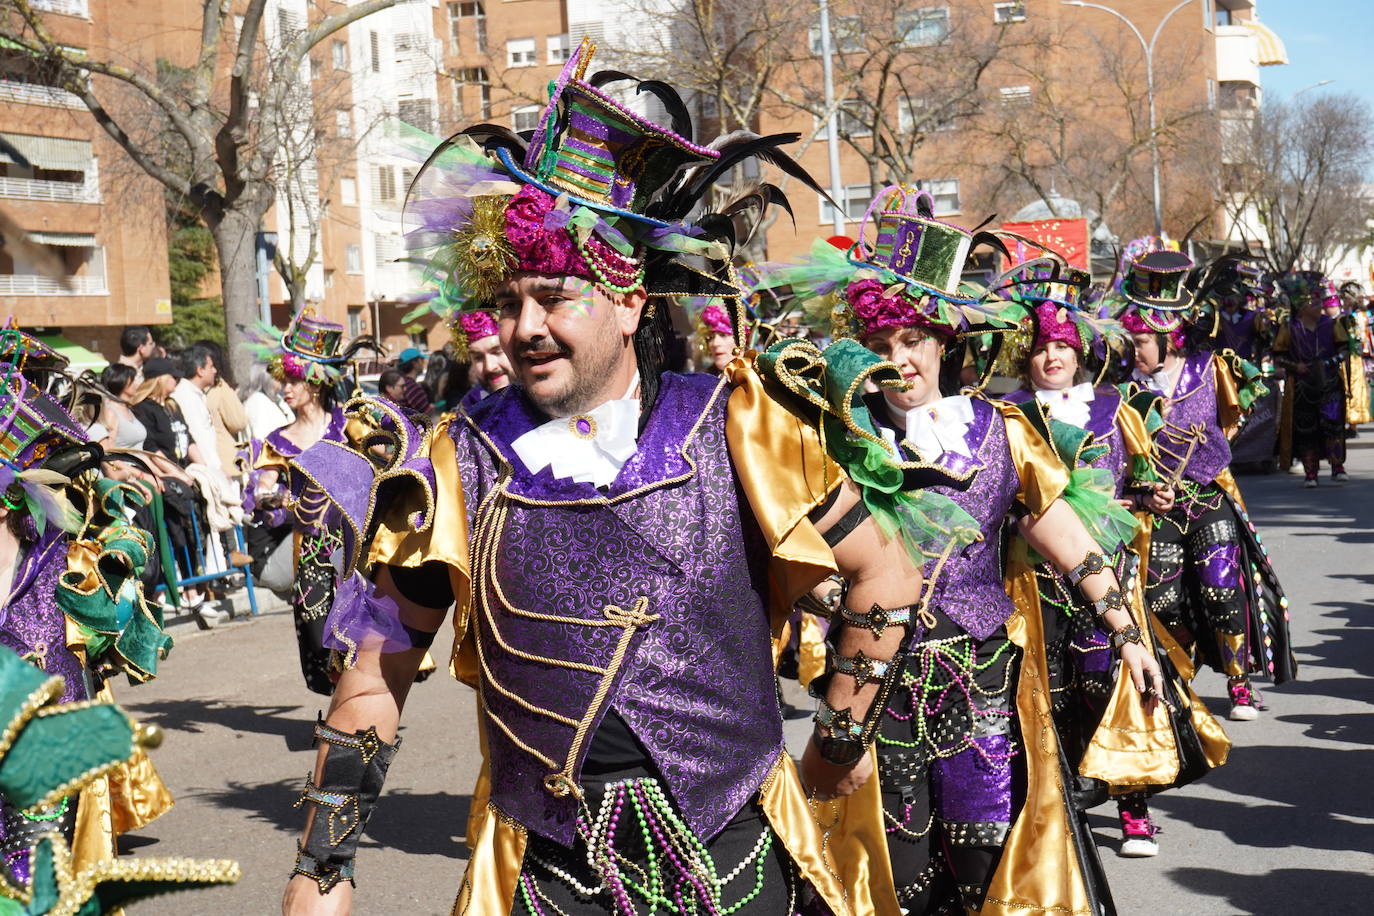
x: 970, y: 590
x: 1191, y: 415
x: 1237, y: 333
x: 646, y: 598
x: 1102, y: 424
x: 33, y: 625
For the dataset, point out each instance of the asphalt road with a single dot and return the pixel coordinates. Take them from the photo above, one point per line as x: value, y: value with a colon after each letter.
x: 1287, y: 827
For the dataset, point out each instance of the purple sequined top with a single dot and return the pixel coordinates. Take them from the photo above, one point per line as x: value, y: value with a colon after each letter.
x: 970, y: 589
x: 651, y: 591
x: 32, y: 623
x: 1190, y: 415
x: 1102, y: 424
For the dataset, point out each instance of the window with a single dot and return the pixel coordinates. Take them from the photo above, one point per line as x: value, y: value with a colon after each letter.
x: 1209, y: 16
x: 474, y: 76
x: 343, y: 123
x: 1015, y: 95
x: 348, y: 192
x: 914, y: 115
x: 354, y: 257
x: 288, y: 25
x: 520, y: 52
x: 329, y: 281
x: 355, y: 320
x: 1224, y: 16
x: 417, y: 113
x: 1211, y: 93
x: 472, y: 12
x: 407, y: 178
x: 526, y: 117
x: 853, y: 121
x: 946, y: 194
x: 1014, y: 11
x: 928, y: 26
x: 846, y: 35
x: 374, y: 45
x: 338, y: 52
x: 386, y: 183
x: 559, y: 49
x: 315, y: 68
x: 857, y: 197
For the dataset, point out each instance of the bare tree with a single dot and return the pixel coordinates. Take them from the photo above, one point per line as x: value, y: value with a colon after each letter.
x: 227, y: 125
x: 1303, y: 171
x: 1047, y: 142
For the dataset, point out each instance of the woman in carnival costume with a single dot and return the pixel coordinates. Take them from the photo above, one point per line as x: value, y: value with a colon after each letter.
x: 621, y: 543
x: 308, y: 361
x: 975, y: 811
x: 1209, y: 579
x: 1313, y: 347
x: 1106, y: 734
x: 71, y: 570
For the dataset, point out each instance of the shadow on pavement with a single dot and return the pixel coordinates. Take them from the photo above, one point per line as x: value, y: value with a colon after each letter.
x: 1285, y: 890
x: 416, y: 823
x: 190, y: 715
x: 1348, y: 727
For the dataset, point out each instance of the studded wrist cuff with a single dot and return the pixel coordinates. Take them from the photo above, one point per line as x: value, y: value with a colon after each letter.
x: 860, y: 667
x: 878, y: 618
x: 1113, y: 600
x: 1092, y: 564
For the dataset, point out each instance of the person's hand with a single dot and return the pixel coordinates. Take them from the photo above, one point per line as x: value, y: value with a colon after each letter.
x: 829, y: 781
x: 1161, y: 500
x: 1144, y: 673
x: 303, y: 898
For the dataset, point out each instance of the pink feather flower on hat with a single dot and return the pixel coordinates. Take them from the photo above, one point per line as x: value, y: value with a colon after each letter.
x: 716, y: 320
x: 1054, y: 323
x: 877, y: 310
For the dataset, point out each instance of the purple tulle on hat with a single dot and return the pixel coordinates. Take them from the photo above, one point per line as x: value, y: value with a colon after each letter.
x: 478, y: 325
x: 878, y: 309
x: 716, y: 320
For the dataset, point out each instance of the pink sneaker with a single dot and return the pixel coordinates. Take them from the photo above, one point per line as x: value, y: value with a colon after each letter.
x: 1138, y: 833
x: 1246, y: 702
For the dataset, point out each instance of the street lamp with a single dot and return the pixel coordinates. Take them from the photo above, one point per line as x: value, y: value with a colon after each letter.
x: 1316, y: 85
x: 832, y: 132
x: 1149, y: 49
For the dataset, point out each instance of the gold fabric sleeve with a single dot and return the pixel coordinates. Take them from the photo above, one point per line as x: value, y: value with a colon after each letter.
x: 498, y: 854
x: 1229, y: 410
x: 1283, y: 340
x: 1039, y: 870
x: 785, y: 474
x: 397, y: 543
x: 840, y: 848
x: 1357, y: 407
x: 810, y: 650
x: 270, y: 459
x: 1043, y: 476
x: 1135, y: 437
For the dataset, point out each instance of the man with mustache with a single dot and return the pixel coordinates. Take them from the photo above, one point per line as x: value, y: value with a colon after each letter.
x: 620, y: 545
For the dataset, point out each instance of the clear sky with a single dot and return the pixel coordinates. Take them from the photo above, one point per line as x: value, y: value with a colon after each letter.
x: 1326, y: 40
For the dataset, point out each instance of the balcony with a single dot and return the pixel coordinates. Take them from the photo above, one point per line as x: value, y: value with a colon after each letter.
x: 79, y: 8
x: 34, y: 285
x: 80, y: 192
x: 1237, y: 55
x: 37, y: 94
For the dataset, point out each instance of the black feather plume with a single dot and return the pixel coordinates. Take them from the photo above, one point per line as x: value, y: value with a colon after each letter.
x: 672, y: 103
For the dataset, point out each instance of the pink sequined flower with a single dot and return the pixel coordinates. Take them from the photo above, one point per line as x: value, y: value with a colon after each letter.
x: 1135, y: 324
x: 478, y: 325
x: 715, y: 319
x: 538, y: 231
x: 877, y: 311
x: 292, y: 366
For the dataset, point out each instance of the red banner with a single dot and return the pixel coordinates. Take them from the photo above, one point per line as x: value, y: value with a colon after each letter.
x: 1067, y: 238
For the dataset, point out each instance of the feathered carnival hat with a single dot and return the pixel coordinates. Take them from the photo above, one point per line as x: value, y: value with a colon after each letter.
x: 1151, y: 294
x: 467, y: 323
x: 1304, y: 287
x: 309, y: 349
x: 595, y: 191
x: 1053, y: 296
x: 41, y: 445
x: 909, y: 276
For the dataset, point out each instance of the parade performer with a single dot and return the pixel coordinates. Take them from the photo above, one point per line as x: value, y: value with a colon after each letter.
x: 606, y: 530
x: 475, y: 340
x: 975, y: 806
x: 715, y: 337
x: 1209, y: 579
x: 1312, y: 347
x: 74, y: 607
x: 1106, y: 736
x: 307, y: 360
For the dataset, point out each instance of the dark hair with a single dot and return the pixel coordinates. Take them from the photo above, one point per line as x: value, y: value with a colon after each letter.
x: 388, y: 378
x: 191, y: 360
x: 410, y: 364
x: 217, y: 357
x: 651, y: 347
x: 116, y: 377
x: 132, y: 338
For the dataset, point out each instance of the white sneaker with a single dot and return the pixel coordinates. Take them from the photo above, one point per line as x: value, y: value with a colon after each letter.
x: 1139, y: 847
x: 1245, y: 703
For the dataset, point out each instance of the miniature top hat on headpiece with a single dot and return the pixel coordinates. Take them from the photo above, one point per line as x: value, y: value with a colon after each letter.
x: 909, y: 276
x: 595, y: 191
x: 1151, y: 287
x: 1052, y: 292
x: 308, y: 349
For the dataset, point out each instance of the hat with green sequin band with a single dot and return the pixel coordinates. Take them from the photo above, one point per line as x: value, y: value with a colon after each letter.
x: 596, y: 191
x: 1153, y: 279
x: 38, y: 445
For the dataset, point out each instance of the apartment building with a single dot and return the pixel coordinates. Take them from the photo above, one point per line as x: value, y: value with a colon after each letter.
x: 75, y: 194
